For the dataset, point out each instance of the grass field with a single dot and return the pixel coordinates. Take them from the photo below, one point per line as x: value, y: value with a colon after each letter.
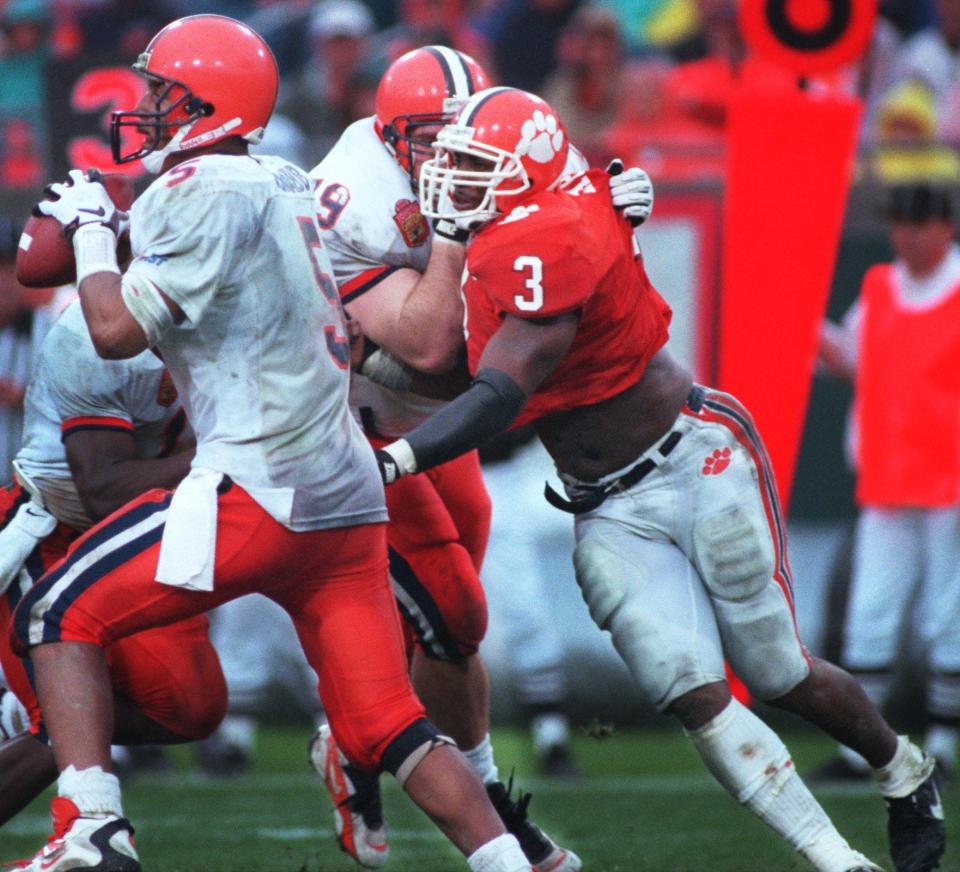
x: 644, y: 805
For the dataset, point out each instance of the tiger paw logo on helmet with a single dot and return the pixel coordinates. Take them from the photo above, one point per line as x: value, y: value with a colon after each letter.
x: 540, y: 137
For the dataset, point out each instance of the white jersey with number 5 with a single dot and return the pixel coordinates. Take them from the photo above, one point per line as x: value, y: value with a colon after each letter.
x: 261, y: 360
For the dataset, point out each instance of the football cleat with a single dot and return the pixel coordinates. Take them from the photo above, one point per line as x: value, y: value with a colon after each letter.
x: 357, y: 811
x: 102, y: 843
x: 915, y: 827
x: 544, y: 854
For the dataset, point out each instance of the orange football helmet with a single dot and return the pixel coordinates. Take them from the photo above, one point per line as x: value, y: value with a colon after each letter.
x: 424, y: 87
x: 220, y: 78
x: 516, y: 145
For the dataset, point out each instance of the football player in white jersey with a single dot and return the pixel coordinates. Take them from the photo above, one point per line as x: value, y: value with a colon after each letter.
x: 230, y: 283
x: 399, y: 283
x: 398, y: 277
x: 96, y: 434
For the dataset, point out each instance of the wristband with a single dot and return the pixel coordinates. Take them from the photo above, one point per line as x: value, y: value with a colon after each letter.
x: 403, y: 456
x: 95, y: 250
x: 446, y: 230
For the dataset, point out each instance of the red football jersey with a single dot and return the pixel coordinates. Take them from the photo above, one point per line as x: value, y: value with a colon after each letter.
x: 561, y: 251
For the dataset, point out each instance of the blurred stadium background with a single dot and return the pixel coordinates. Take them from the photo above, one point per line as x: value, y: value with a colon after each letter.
x: 644, y: 80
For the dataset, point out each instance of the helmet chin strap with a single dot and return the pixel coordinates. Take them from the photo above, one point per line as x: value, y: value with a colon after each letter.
x: 153, y: 162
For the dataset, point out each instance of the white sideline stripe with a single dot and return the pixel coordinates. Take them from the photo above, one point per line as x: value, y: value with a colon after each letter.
x: 656, y: 784
x: 292, y: 834
x: 39, y: 824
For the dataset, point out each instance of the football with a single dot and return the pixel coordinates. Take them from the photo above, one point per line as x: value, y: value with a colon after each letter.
x: 45, y: 257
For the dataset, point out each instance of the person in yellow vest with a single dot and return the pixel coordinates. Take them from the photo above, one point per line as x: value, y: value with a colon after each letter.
x: 900, y: 344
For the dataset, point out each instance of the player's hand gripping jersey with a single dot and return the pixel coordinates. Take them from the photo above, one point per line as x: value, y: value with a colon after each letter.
x: 562, y: 251
x: 264, y: 397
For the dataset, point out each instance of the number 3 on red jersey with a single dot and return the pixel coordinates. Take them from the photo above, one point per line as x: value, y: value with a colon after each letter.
x: 533, y: 299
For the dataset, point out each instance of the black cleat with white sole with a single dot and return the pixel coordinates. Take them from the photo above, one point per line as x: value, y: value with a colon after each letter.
x: 544, y: 854
x: 916, y: 830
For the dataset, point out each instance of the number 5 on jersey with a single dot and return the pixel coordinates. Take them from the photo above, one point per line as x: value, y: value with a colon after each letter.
x: 534, y: 283
x: 338, y: 346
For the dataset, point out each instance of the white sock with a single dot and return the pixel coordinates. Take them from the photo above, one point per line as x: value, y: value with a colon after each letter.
x: 908, y: 769
x: 239, y: 731
x: 501, y: 854
x: 481, y: 759
x: 548, y: 730
x: 942, y: 743
x: 754, y: 766
x: 92, y: 790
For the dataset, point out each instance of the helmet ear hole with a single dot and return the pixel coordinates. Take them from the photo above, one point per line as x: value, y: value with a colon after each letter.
x: 196, y: 106
x: 390, y: 134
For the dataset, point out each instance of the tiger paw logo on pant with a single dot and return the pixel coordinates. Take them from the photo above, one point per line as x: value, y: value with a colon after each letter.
x: 716, y: 462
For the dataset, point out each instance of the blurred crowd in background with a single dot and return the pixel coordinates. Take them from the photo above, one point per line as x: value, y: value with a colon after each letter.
x: 647, y: 80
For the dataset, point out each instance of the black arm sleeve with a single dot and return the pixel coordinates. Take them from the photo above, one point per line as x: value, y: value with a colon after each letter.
x: 485, y: 409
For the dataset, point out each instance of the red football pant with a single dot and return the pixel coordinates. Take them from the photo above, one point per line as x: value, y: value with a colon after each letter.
x: 172, y: 674
x: 438, y: 531
x: 333, y: 583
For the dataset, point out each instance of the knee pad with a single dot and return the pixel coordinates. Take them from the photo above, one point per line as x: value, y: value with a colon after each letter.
x: 602, y: 580
x: 408, y: 749
x: 761, y: 643
x: 440, y: 598
x: 665, y: 657
x: 734, y: 553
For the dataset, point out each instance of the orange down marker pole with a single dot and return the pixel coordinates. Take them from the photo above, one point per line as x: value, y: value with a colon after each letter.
x: 790, y: 159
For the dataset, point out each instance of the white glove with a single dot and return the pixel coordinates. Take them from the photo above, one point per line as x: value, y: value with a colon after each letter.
x: 81, y: 200
x: 632, y: 192
x: 27, y: 529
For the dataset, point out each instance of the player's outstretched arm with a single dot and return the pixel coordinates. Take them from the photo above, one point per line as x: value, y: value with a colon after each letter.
x: 518, y: 357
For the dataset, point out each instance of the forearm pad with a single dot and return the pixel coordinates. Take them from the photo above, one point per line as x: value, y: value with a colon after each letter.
x: 486, y: 408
